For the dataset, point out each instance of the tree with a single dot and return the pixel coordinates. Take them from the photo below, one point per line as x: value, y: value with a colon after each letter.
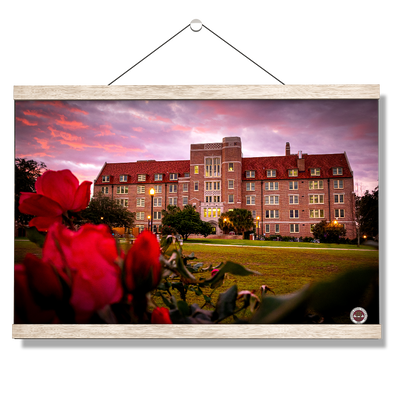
x: 329, y: 232
x: 185, y: 222
x: 26, y: 173
x: 238, y: 220
x: 104, y: 210
x: 367, y: 213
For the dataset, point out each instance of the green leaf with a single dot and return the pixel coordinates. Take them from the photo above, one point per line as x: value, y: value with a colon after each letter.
x: 345, y: 292
x: 181, y: 269
x: 226, y: 303
x: 35, y: 236
x: 282, y: 309
x: 184, y: 308
x: 231, y: 268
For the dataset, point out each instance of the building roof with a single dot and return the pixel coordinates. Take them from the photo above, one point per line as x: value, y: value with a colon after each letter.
x: 148, y: 168
x: 283, y: 163
x: 258, y: 164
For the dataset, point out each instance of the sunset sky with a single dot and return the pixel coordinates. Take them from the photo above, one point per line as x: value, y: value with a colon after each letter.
x: 83, y: 135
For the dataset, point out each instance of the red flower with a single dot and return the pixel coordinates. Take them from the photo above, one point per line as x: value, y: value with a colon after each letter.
x: 56, y: 193
x: 214, y: 271
x: 160, y: 315
x: 37, y: 292
x: 142, y: 264
x: 87, y: 260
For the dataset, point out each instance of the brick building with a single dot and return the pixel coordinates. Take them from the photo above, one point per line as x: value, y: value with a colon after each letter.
x: 287, y: 193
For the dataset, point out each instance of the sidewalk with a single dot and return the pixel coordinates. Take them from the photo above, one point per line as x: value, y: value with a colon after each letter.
x: 279, y: 247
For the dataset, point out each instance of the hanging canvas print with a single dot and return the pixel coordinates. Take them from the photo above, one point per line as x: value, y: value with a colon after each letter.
x: 212, y: 212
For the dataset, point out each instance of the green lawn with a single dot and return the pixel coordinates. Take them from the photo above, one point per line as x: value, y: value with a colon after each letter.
x: 283, y: 270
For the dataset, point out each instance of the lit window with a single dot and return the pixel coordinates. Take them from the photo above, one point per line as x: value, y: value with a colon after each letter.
x: 293, y: 185
x: 141, y: 189
x: 105, y: 178
x: 122, y: 189
x: 337, y: 171
x: 196, y: 169
x: 141, y: 178
x: 271, y: 173
x: 230, y: 198
x: 312, y: 228
x: 317, y: 214
x: 139, y: 202
x: 271, y: 185
x: 271, y: 199
x: 338, y: 184
x: 316, y: 199
x: 271, y: 214
x: 294, y: 228
x: 104, y: 189
x: 250, y: 186
x: 231, y: 184
x: 339, y: 213
x: 158, y: 177
x: 250, y: 200
x: 293, y: 172
x: 250, y: 174
x: 315, y: 185
x: 216, y: 199
x: 294, y: 199
x: 315, y: 172
x: 213, y: 167
x: 294, y: 214
x: 173, y: 177
x: 230, y: 166
x: 123, y: 178
x: 339, y: 198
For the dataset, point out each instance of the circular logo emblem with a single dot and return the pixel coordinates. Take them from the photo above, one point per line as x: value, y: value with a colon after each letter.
x: 358, y: 315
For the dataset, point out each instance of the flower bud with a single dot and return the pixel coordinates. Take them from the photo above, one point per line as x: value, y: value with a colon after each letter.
x: 160, y: 315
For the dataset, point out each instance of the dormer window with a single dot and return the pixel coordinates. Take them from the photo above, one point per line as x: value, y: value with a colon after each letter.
x: 338, y: 171
x: 250, y: 174
x: 315, y: 171
x: 141, y: 178
x: 187, y: 175
x: 123, y: 178
x: 271, y: 173
x: 293, y: 172
x: 173, y: 177
x: 158, y: 177
x: 105, y: 178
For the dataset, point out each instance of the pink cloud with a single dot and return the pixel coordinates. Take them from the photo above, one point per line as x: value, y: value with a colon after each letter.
x: 70, y: 124
x: 64, y: 135
x: 43, y: 143
x: 26, y: 122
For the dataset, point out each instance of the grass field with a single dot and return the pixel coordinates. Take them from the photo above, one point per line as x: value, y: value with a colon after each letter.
x: 283, y: 270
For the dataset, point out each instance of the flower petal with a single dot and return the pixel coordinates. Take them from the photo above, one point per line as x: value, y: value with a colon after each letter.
x: 82, y: 197
x: 44, y: 223
x: 60, y: 186
x: 39, y: 205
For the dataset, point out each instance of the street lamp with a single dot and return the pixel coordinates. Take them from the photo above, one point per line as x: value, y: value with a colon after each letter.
x: 258, y: 227
x: 148, y: 222
x: 152, y: 191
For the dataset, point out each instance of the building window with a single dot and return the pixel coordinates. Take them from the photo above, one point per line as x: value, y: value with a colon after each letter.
x: 104, y: 189
x: 339, y: 198
x: 216, y: 199
x: 317, y: 214
x: 250, y: 186
x: 231, y: 184
x: 123, y: 178
x: 312, y: 228
x: 315, y: 185
x: 196, y: 169
x: 173, y: 188
x: 315, y: 172
x: 140, y: 227
x: 185, y: 200
x: 158, y: 177
x: 186, y: 175
x: 294, y: 199
x: 338, y: 184
x: 294, y: 214
x: 157, y: 202
x: 271, y: 173
x: 157, y: 215
x: 196, y: 186
x: 277, y: 228
x: 217, y: 185
x: 316, y: 199
x: 173, y: 177
x: 254, y: 214
x: 230, y: 166
x: 173, y: 201
x: 267, y: 228
x: 141, y: 189
x: 139, y: 202
x: 105, y: 178
x: 293, y: 185
x: 271, y: 214
x: 337, y: 171
x: 122, y: 189
x: 122, y: 202
x: 140, y: 215
x: 271, y: 185
x: 293, y: 172
x: 213, y: 167
x: 185, y: 187
x: 208, y: 199
x: 141, y: 178
x: 250, y: 200
x: 250, y: 174
x: 230, y: 198
x: 271, y: 199
x: 294, y: 228
x: 339, y: 213
x: 158, y: 188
